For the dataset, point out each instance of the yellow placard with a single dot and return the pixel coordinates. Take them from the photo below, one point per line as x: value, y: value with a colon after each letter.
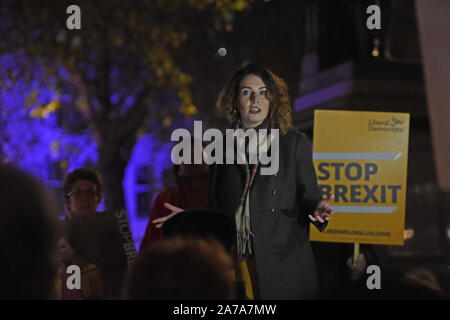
x: 361, y: 158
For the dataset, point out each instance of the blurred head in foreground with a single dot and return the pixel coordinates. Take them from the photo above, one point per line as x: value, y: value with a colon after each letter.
x: 180, y: 269
x: 202, y: 223
x: 27, y: 231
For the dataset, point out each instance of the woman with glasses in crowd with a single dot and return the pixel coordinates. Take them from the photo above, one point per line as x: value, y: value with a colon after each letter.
x: 99, y: 238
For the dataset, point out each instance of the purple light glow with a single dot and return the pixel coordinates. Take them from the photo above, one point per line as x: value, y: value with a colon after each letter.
x: 315, y: 98
x: 40, y: 146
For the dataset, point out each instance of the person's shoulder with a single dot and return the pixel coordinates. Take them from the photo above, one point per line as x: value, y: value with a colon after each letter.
x: 296, y: 142
x: 294, y: 135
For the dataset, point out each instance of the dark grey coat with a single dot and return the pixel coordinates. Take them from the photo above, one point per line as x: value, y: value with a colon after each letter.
x: 279, y: 208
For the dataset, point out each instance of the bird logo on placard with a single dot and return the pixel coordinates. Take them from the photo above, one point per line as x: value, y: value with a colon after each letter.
x: 395, y: 121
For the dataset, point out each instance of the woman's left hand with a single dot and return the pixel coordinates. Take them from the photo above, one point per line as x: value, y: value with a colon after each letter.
x: 323, y: 211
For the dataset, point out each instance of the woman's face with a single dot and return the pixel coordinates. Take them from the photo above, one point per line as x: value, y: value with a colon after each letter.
x: 253, y: 102
x: 84, y: 198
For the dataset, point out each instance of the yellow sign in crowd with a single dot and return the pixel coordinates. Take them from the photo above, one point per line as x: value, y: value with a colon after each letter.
x: 361, y: 158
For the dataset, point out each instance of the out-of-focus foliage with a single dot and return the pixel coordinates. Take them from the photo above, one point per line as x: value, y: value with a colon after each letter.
x: 115, y: 78
x: 131, y: 42
x: 30, y: 131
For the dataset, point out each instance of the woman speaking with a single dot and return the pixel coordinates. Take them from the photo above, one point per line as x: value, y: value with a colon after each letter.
x: 272, y: 212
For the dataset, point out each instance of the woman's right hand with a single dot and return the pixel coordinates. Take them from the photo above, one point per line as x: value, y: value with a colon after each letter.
x: 175, y: 210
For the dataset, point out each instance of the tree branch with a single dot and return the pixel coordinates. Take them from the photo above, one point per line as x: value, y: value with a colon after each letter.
x: 128, y: 124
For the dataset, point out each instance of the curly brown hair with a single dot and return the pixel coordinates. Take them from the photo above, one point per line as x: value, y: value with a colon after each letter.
x: 277, y: 94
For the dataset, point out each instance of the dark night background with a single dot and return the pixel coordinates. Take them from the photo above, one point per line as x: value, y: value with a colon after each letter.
x: 109, y: 95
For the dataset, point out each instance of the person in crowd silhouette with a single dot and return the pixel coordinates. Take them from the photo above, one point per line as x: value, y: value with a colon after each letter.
x: 103, y: 238
x: 27, y: 233
x: 189, y: 192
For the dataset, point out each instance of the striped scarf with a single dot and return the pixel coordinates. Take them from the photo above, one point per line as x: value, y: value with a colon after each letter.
x: 242, y: 215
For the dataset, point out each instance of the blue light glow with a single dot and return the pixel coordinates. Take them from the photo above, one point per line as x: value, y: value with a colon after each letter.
x: 33, y: 140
